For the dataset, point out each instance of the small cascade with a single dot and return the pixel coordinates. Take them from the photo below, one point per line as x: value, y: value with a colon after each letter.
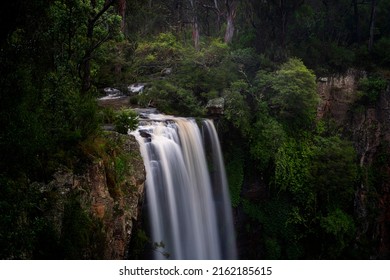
x: 187, y: 196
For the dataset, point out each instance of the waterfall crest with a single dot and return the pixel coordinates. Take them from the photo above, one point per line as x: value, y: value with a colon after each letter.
x: 187, y: 196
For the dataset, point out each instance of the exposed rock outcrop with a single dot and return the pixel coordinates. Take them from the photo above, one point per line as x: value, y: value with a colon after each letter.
x: 110, y: 192
x: 337, y: 93
x: 368, y: 127
x: 216, y: 106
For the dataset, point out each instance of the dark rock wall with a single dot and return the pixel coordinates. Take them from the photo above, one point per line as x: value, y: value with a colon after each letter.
x: 368, y: 127
x: 114, y: 206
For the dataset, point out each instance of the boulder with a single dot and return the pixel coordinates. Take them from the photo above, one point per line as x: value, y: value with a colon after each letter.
x: 216, y: 106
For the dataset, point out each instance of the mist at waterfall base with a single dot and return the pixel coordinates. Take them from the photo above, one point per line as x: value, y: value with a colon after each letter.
x: 186, y: 189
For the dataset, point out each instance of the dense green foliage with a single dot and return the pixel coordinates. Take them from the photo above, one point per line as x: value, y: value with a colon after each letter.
x: 293, y: 97
x: 371, y: 88
x: 47, y: 105
x: 235, y: 174
x: 126, y: 120
x: 47, y: 112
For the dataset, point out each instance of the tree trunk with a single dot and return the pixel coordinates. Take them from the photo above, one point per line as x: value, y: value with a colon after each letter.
x: 229, y: 29
x: 86, y: 62
x: 372, y: 25
x: 231, y: 7
x: 177, y: 12
x: 214, y: 25
x: 195, y: 34
x: 86, y: 79
x: 122, y: 13
x: 195, y: 25
x: 218, y: 13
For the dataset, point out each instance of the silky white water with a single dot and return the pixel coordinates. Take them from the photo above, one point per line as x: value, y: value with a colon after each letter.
x: 187, y: 196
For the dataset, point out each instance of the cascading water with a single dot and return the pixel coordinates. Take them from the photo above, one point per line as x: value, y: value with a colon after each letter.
x: 189, y: 206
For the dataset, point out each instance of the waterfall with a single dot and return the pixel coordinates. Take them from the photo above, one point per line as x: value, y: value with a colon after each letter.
x: 186, y: 189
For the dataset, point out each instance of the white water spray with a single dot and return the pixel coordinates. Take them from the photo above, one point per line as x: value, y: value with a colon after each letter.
x: 189, y: 206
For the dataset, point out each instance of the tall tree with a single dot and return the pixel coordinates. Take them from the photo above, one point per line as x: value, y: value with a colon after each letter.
x: 211, y: 16
x: 98, y: 10
x: 122, y: 13
x: 372, y: 24
x: 231, y: 9
x: 195, y: 24
x: 285, y: 10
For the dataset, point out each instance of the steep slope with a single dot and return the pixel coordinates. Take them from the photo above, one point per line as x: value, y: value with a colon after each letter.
x: 366, y: 122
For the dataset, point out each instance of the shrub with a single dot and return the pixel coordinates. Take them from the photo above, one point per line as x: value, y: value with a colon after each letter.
x: 370, y: 89
x: 291, y: 94
x: 153, y: 56
x: 266, y: 137
x: 237, y: 110
x: 171, y: 99
x: 126, y: 120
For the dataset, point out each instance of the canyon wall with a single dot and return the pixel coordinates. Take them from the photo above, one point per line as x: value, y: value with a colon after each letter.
x: 367, y: 125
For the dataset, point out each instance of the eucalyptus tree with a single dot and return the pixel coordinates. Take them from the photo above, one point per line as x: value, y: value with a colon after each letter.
x: 100, y: 27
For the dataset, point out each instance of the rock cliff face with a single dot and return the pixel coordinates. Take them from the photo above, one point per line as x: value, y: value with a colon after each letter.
x: 368, y: 127
x: 108, y: 195
x: 337, y: 93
